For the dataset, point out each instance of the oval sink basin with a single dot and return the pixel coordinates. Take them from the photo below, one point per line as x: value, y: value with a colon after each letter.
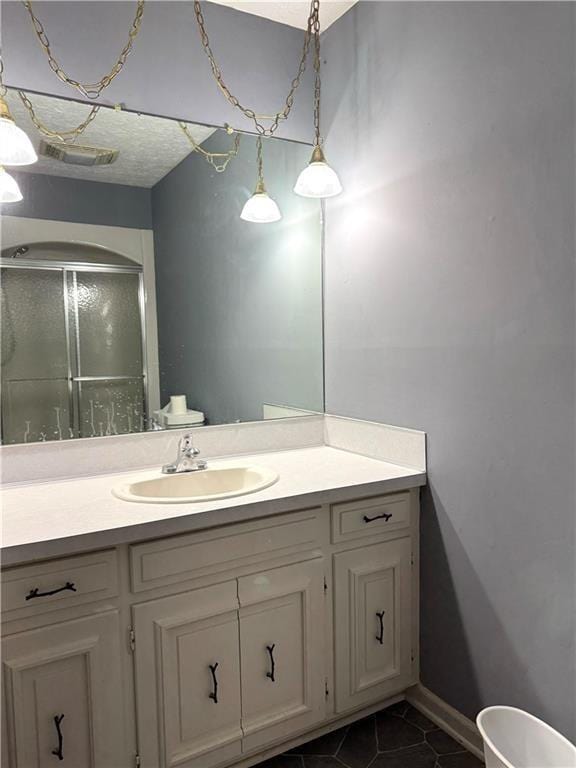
x: 204, y: 485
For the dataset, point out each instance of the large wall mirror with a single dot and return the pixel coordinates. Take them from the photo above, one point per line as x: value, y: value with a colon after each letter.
x: 135, y: 297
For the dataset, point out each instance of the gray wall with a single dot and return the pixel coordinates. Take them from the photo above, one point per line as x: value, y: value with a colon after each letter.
x: 87, y: 202
x: 167, y: 73
x: 450, y: 308
x: 239, y: 304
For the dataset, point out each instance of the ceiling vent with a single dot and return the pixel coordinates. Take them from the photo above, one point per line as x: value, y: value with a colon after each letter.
x: 76, y: 154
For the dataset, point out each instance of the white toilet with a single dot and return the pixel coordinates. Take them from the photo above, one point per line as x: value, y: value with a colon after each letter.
x: 516, y: 739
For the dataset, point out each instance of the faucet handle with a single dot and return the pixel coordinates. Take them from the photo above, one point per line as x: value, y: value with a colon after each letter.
x: 186, y: 459
x: 185, y: 447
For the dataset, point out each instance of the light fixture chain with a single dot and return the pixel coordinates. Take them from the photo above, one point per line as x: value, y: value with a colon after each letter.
x: 218, y: 160
x: 311, y: 27
x: 317, y: 80
x: 65, y: 136
x: 259, y: 161
x: 89, y: 90
x: 3, y: 89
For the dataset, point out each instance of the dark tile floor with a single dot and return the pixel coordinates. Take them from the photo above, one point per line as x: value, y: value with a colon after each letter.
x: 396, y: 737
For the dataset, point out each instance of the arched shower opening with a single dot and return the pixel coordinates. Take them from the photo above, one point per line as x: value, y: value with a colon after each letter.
x: 73, y: 342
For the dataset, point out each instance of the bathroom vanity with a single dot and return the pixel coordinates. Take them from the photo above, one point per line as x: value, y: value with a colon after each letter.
x: 211, y: 633
x: 203, y: 619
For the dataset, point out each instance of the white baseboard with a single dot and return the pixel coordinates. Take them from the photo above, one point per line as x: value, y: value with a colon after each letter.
x: 449, y: 719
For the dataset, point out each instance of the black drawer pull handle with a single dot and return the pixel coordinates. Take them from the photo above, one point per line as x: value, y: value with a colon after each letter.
x: 58, y: 752
x: 214, y: 694
x: 385, y: 515
x: 272, y: 673
x: 36, y: 591
x: 380, y: 635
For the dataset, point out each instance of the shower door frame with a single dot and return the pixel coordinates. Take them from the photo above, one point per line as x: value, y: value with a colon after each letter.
x: 69, y: 270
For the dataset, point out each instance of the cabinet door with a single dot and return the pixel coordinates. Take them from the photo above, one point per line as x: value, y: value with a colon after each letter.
x: 372, y: 588
x: 188, y: 678
x: 282, y: 651
x: 63, y: 695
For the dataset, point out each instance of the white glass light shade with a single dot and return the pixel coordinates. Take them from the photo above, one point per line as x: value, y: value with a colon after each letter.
x: 260, y: 209
x: 318, y: 179
x: 9, y: 189
x: 15, y: 146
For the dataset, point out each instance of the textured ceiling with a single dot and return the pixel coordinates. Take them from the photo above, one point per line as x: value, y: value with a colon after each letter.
x: 150, y: 147
x: 292, y: 12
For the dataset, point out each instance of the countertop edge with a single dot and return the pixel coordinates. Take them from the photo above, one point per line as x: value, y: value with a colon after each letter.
x: 20, y: 554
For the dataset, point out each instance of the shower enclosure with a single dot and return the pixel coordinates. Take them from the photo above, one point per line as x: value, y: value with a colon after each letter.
x: 73, y: 351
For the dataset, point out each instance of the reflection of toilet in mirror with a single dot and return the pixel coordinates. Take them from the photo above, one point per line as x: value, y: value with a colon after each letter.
x: 176, y: 414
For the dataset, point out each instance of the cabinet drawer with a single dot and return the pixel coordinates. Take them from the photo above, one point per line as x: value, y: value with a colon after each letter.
x: 191, y: 556
x: 366, y: 517
x: 34, y: 589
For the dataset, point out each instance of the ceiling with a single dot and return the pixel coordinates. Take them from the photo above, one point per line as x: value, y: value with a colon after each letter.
x: 292, y: 12
x: 149, y: 147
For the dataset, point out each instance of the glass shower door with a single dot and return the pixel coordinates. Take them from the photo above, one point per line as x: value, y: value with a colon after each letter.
x: 73, y: 356
x: 36, y: 396
x: 109, y: 353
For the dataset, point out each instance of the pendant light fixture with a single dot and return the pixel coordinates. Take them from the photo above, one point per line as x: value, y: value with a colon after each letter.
x: 15, y: 146
x: 260, y: 208
x: 9, y: 189
x: 318, y: 179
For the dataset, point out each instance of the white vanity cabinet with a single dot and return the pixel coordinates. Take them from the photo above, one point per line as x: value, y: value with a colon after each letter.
x: 225, y: 669
x: 62, y: 703
x: 282, y: 618
x: 187, y: 671
x: 212, y: 648
x: 372, y: 619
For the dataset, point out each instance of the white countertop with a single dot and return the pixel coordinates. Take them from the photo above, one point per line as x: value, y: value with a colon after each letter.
x: 46, y: 519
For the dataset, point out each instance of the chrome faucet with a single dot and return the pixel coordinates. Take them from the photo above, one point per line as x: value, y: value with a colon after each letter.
x: 186, y: 460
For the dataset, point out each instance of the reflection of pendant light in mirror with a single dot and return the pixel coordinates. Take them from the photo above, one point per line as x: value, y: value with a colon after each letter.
x: 260, y: 208
x: 9, y: 189
x: 318, y: 179
x: 15, y: 146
